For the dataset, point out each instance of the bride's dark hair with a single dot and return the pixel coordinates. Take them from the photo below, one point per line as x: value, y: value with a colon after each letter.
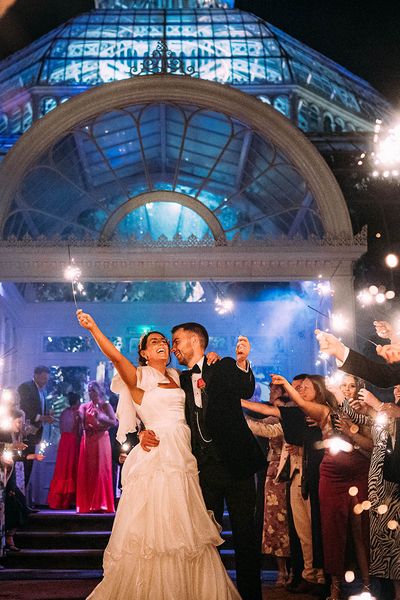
x: 143, y: 345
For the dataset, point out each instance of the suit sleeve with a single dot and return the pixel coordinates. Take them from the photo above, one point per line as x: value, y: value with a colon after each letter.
x: 380, y: 374
x: 240, y: 382
x: 25, y: 396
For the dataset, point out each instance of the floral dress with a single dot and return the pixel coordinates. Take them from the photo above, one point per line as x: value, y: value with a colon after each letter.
x: 275, y: 537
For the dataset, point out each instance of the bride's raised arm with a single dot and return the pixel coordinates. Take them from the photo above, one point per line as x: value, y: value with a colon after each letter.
x: 124, y: 367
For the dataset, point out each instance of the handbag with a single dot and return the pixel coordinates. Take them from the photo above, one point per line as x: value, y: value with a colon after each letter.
x: 391, y: 463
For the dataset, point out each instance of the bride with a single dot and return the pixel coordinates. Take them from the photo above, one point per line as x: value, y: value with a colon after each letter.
x: 163, y: 541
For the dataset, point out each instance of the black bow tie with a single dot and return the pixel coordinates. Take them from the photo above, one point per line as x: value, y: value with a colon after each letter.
x: 195, y: 369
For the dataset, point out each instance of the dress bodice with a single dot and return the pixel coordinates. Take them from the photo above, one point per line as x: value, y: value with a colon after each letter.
x: 162, y: 407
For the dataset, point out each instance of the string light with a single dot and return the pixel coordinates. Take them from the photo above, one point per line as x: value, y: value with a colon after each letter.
x: 391, y: 260
x: 349, y: 576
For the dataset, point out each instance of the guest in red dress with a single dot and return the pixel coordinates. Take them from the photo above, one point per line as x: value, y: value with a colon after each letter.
x: 94, y: 492
x: 62, y: 493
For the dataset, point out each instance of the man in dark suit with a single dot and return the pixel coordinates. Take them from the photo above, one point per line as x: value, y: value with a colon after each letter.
x: 227, y: 452
x: 380, y: 374
x: 33, y: 403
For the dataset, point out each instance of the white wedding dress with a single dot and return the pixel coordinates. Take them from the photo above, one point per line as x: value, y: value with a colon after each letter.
x: 163, y: 542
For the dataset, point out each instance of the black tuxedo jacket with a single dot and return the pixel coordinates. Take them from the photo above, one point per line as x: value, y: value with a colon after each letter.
x: 31, y: 405
x: 380, y: 374
x: 235, y: 445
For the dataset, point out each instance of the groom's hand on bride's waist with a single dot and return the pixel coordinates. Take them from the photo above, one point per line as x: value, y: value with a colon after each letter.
x: 148, y: 440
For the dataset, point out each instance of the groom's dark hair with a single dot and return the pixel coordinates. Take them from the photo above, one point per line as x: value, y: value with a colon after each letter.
x: 195, y: 328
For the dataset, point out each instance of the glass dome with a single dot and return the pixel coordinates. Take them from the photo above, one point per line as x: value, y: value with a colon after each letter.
x: 223, y: 45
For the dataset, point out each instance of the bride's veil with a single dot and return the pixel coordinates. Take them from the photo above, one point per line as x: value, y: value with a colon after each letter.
x: 126, y: 412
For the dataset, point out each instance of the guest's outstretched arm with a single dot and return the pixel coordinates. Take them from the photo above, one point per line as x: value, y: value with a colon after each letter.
x: 262, y: 429
x: 318, y: 412
x: 263, y: 409
x: 124, y: 367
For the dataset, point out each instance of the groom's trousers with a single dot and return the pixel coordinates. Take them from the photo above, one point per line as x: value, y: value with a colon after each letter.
x: 219, y: 487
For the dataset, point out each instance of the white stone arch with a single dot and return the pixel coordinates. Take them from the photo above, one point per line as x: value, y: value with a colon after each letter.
x: 168, y: 88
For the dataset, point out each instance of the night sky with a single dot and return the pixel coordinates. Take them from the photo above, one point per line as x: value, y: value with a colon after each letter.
x: 362, y: 36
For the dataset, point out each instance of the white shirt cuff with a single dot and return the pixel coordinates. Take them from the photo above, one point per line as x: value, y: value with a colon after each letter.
x: 340, y: 363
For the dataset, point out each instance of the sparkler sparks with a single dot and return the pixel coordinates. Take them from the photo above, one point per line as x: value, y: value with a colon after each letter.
x: 73, y: 274
x: 42, y: 446
x: 223, y: 305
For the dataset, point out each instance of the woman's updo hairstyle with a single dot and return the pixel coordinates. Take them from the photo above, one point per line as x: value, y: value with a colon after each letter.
x: 143, y: 345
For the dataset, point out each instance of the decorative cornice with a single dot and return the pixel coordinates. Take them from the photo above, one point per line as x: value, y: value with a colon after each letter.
x: 328, y: 241
x: 280, y: 260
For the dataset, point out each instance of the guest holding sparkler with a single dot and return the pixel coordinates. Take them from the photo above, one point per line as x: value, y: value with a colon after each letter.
x: 338, y: 472
x: 94, y: 491
x: 16, y: 507
x: 62, y: 493
x: 384, y: 487
x: 275, y: 535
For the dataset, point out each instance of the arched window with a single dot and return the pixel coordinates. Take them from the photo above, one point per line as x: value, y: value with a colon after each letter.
x: 27, y: 116
x: 15, y: 120
x: 328, y: 123
x: 282, y: 105
x: 3, y: 123
x: 339, y: 125
x: 302, y: 115
x: 46, y: 105
x: 314, y: 118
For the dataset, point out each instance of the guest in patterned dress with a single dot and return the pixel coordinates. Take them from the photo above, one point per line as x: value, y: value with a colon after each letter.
x: 383, y: 494
x: 275, y: 537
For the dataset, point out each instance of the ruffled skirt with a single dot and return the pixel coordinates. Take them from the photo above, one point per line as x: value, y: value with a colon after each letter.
x: 163, y: 542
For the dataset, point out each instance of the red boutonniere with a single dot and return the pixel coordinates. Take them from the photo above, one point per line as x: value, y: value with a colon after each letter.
x: 201, y: 384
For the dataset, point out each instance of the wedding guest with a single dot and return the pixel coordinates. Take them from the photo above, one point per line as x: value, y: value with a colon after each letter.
x: 33, y: 403
x: 302, y: 474
x: 275, y: 535
x: 6, y: 465
x: 94, y: 491
x: 384, y: 487
x: 62, y: 493
x: 16, y: 508
x: 338, y: 472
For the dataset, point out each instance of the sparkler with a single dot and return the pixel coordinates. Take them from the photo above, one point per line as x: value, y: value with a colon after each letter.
x: 73, y: 274
x: 331, y: 318
x: 42, y: 447
x: 223, y: 305
x: 334, y: 445
x: 125, y: 447
x: 7, y: 456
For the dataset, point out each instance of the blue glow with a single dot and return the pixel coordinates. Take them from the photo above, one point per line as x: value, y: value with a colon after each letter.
x: 162, y: 218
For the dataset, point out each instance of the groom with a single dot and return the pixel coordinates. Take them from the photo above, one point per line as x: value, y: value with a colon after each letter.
x: 227, y: 453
